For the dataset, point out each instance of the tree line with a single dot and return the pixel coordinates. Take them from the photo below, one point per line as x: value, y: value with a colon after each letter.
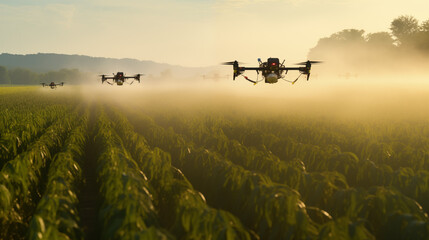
x: 406, y: 43
x: 22, y: 76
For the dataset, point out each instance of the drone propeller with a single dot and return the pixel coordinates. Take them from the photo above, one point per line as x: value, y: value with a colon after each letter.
x: 311, y: 62
x: 231, y: 63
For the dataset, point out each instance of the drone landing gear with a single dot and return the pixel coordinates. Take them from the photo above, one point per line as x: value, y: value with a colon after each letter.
x: 293, y: 82
x: 252, y: 81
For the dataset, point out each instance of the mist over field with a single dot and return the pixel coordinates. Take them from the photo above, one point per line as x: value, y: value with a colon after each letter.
x: 395, y: 96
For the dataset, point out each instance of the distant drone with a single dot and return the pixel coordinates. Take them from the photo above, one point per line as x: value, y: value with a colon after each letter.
x: 119, y: 78
x: 53, y: 85
x: 272, y: 70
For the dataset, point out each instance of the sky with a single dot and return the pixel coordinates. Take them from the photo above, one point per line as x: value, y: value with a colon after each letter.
x: 190, y: 33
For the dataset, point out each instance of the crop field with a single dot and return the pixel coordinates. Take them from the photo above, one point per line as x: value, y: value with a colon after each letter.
x: 79, y: 165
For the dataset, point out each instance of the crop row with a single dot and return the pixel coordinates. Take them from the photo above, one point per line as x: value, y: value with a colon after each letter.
x: 182, y: 209
x: 396, y: 144
x: 273, y: 211
x: 56, y: 215
x: 22, y: 122
x: 327, y: 166
x: 373, y: 170
x: 127, y: 209
x: 328, y: 190
x: 20, y: 178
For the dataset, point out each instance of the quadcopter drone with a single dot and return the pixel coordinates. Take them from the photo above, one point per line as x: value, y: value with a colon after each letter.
x: 52, y: 85
x: 120, y: 79
x: 272, y: 70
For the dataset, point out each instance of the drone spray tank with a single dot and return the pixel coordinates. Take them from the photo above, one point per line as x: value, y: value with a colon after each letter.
x: 271, y: 78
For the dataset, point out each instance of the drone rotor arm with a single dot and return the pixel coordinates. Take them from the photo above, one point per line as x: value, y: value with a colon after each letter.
x: 252, y: 68
x: 292, y: 68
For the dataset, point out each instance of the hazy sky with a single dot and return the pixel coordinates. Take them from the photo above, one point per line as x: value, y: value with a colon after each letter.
x: 190, y: 32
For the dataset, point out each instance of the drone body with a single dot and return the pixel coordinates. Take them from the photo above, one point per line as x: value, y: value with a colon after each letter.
x: 271, y: 70
x: 119, y: 78
x: 52, y: 85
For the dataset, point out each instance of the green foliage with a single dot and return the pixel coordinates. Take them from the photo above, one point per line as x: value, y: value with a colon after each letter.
x: 273, y: 211
x: 334, y: 184
x: 4, y: 76
x: 343, y: 228
x: 405, y: 226
x: 209, y: 176
x: 56, y: 215
x: 22, y: 175
x: 127, y: 209
x: 192, y: 217
x: 20, y: 76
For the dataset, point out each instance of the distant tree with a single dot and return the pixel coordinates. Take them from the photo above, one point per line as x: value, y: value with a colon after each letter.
x: 421, y: 39
x: 403, y: 28
x: 63, y: 75
x: 352, y: 50
x: 425, y: 26
x: 4, y: 76
x: 380, y: 39
x: 338, y: 45
x: 349, y: 35
x: 22, y: 76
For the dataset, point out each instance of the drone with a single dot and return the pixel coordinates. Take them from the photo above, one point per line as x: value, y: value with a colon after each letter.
x: 53, y: 85
x: 119, y: 78
x: 272, y: 70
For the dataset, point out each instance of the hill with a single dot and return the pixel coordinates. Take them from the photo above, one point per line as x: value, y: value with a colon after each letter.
x: 44, y: 62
